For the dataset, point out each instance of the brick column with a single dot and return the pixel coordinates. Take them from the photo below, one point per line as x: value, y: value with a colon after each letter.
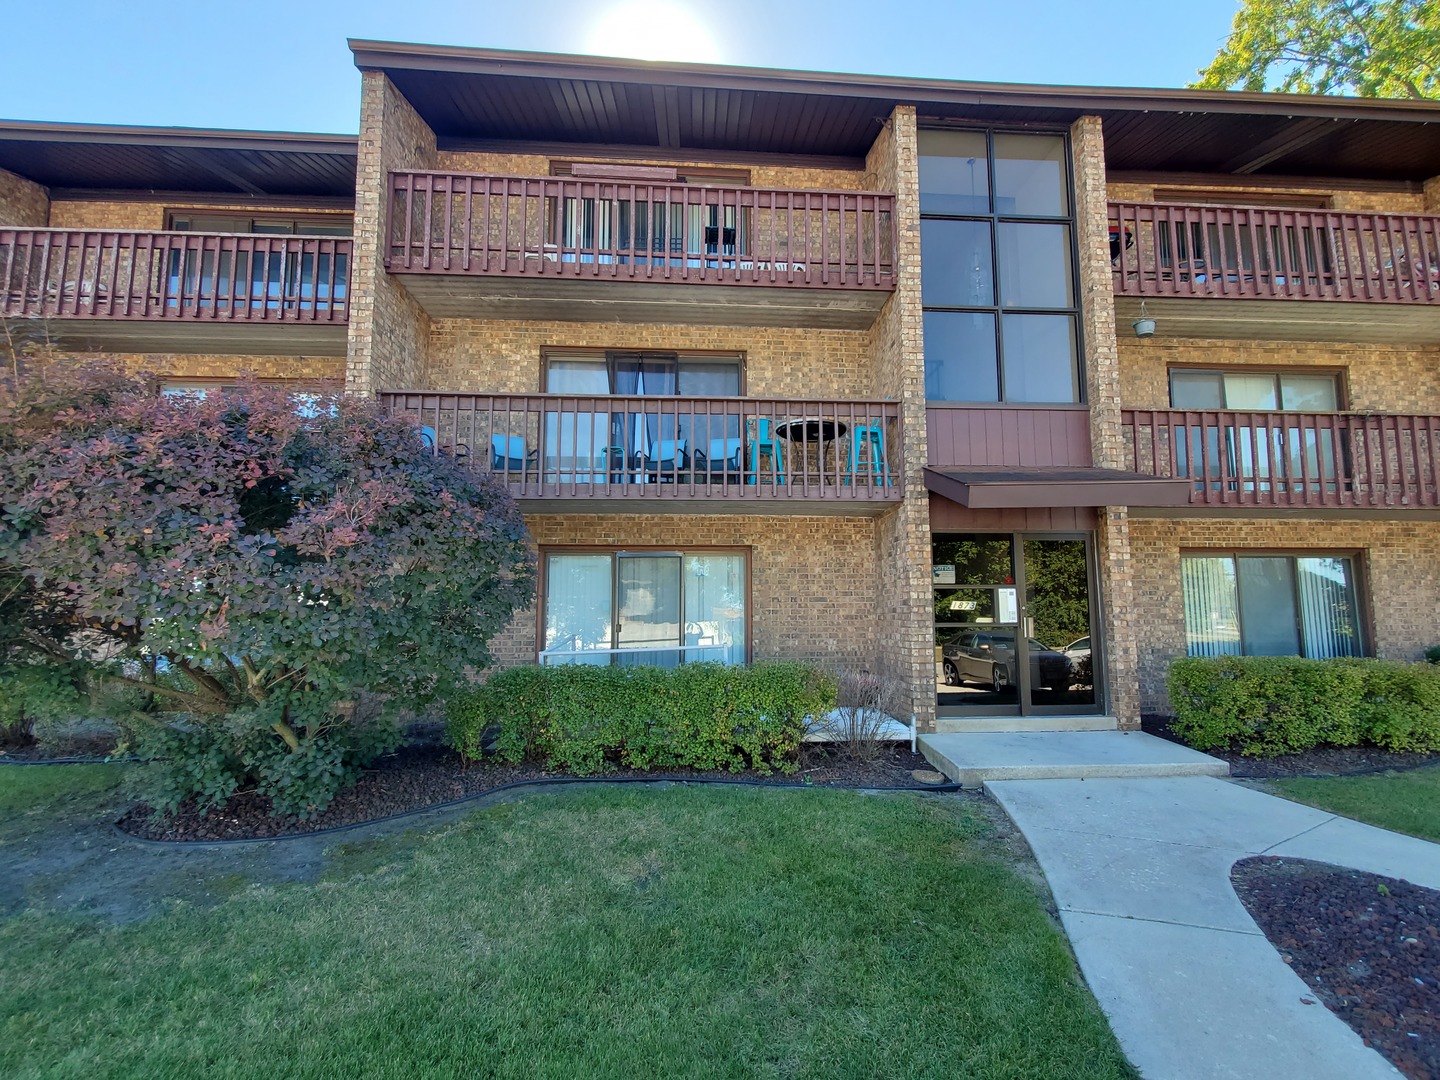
x: 1102, y: 390
x: 389, y: 332
x: 1432, y: 195
x: 23, y: 204
x: 902, y: 537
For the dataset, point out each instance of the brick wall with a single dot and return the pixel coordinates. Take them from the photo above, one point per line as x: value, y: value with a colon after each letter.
x: 23, y: 204
x: 504, y: 356
x: 1380, y: 378
x: 902, y: 542
x: 1399, y: 564
x: 766, y: 176
x: 389, y: 332
x: 812, y: 579
x: 1377, y: 202
x: 216, y: 366
x: 150, y: 216
x: 1103, y: 392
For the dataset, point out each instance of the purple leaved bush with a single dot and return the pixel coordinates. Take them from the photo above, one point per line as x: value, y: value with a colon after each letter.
x: 277, y: 566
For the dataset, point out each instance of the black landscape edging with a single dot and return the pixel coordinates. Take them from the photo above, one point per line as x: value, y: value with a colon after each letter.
x: 539, y: 782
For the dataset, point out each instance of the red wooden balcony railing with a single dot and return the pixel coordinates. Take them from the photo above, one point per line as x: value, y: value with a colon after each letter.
x: 80, y: 274
x: 461, y: 223
x: 562, y: 446
x: 1292, y: 458
x: 1254, y: 252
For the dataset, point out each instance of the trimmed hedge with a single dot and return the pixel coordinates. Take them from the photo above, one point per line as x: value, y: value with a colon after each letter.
x: 583, y: 718
x: 1267, y: 705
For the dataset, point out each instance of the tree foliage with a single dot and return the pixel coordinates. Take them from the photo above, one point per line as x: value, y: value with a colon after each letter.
x: 1370, y: 48
x: 261, y: 572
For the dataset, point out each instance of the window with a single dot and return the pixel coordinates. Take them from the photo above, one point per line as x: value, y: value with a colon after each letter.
x: 308, y: 403
x: 270, y: 225
x: 1255, y: 391
x: 997, y: 275
x: 271, y: 276
x: 586, y: 445
x: 653, y: 608
x: 1270, y: 605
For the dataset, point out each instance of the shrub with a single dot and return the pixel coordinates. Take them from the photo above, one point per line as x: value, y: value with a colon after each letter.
x: 1266, y: 705
x: 583, y: 719
x: 1432, y: 654
x: 277, y: 564
x: 866, y: 705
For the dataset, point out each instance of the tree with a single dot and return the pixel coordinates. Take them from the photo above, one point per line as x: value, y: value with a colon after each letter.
x: 281, y: 582
x: 1371, y: 48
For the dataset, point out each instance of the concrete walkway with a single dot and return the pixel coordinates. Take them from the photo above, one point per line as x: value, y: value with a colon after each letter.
x: 1140, y: 869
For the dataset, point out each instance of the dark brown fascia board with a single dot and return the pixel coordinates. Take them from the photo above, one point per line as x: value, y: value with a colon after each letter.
x: 202, y: 198
x: 294, y: 142
x: 1258, y: 180
x: 398, y: 56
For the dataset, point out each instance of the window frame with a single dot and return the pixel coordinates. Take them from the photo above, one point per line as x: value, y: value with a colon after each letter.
x: 297, y: 222
x: 1359, y: 584
x: 608, y: 357
x: 1339, y: 374
x: 997, y: 310
x: 745, y: 551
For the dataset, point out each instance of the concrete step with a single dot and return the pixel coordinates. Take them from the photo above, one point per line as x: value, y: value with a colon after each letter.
x: 972, y: 758
x: 949, y: 724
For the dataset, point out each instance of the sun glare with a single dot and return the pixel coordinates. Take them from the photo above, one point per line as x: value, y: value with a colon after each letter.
x: 653, y: 30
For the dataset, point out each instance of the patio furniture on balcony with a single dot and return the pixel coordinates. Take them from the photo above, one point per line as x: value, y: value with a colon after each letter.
x: 724, y: 462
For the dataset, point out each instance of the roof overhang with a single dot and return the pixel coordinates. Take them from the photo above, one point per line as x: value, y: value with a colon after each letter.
x: 472, y: 97
x: 988, y: 488
x: 115, y: 158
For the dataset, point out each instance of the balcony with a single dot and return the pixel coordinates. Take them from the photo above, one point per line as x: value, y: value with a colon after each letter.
x: 538, y: 247
x: 195, y: 292
x: 557, y: 452
x: 1292, y: 460
x: 1262, y: 272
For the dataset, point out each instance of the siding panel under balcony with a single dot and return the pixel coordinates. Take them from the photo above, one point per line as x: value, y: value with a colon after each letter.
x: 188, y: 291
x: 1277, y: 274
x: 537, y: 247
x: 681, y: 454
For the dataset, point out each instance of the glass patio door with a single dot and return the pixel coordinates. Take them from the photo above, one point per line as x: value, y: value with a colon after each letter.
x: 1013, y: 624
x: 648, y: 612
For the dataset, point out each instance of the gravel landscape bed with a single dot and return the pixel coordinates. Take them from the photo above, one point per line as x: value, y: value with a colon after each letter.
x: 1368, y: 946
x: 1322, y: 761
x: 419, y: 776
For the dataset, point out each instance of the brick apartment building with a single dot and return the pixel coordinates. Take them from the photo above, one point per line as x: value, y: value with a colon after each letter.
x: 832, y: 368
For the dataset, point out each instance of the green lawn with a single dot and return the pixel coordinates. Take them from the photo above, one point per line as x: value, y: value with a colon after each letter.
x: 1407, y: 802
x: 611, y: 932
x: 25, y: 788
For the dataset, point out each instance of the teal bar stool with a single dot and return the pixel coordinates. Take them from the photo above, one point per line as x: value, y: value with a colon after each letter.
x: 869, y: 438
x: 764, y: 442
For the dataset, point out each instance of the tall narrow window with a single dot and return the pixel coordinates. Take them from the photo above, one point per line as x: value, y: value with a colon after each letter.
x: 1270, y: 605
x: 997, y: 272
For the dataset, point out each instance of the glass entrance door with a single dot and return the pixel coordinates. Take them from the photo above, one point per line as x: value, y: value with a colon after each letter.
x: 1013, y: 619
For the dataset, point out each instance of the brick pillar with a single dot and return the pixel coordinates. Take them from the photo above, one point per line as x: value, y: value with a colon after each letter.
x: 897, y: 357
x: 23, y: 204
x: 389, y: 332
x: 1102, y: 391
x: 1432, y: 195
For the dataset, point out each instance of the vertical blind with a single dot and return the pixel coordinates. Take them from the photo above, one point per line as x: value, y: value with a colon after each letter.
x: 1270, y: 606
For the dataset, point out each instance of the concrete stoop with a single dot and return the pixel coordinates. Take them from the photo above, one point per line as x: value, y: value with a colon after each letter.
x: 973, y: 757
x: 951, y: 724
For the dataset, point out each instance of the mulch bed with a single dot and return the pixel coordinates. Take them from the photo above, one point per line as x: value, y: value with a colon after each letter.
x: 1367, y: 945
x: 1322, y: 761
x: 417, y: 776
x: 90, y: 747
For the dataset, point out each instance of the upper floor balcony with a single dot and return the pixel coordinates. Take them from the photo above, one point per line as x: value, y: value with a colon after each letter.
x: 1236, y: 272
x: 561, y: 452
x: 550, y: 247
x: 1298, y: 460
x: 184, y: 291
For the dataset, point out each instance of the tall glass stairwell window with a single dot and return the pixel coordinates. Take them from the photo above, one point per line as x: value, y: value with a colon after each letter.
x: 635, y: 441
x: 997, y: 272
x: 266, y: 276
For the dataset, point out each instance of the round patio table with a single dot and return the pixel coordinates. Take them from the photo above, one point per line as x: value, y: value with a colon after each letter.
x: 807, y: 431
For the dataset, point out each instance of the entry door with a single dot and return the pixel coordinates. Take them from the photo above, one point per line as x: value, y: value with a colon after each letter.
x: 1013, y: 621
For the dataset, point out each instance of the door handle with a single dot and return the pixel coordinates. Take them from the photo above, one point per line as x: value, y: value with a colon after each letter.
x: 1029, y: 626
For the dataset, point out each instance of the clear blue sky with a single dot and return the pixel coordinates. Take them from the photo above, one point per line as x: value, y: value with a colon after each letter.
x: 283, y: 64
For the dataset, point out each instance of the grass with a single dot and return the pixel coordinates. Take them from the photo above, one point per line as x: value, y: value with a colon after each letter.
x: 26, y: 788
x: 1407, y: 802
x: 614, y: 932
